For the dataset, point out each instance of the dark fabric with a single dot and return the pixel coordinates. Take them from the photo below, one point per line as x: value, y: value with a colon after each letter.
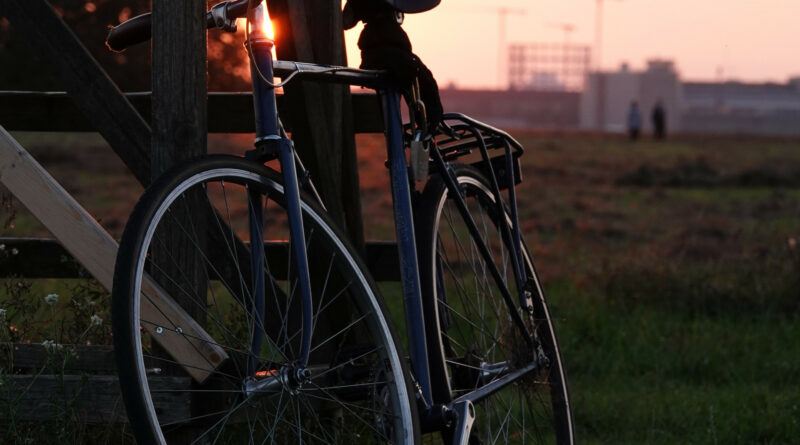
x: 406, y: 6
x: 385, y: 46
x: 412, y: 6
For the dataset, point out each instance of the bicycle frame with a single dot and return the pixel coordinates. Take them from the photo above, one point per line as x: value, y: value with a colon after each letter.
x: 271, y: 143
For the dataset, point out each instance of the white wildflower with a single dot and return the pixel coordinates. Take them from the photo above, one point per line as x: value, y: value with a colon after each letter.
x: 49, y: 344
x: 14, y: 251
x: 2, y: 247
x: 96, y: 320
x: 51, y: 299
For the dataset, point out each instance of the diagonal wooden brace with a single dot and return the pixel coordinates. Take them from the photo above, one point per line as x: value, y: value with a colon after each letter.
x: 96, y: 250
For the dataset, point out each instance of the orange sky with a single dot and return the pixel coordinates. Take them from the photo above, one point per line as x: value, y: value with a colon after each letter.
x: 751, y: 40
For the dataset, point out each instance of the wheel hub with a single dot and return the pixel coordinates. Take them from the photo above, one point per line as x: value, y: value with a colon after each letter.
x: 289, y: 378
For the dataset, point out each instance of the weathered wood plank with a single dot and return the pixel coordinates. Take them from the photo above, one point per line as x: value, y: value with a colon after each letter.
x: 179, y: 83
x: 93, y: 92
x: 227, y: 112
x: 94, y: 248
x: 45, y: 258
x: 99, y: 358
x: 85, y: 398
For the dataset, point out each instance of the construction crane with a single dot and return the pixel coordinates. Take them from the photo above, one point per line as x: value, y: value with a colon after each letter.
x: 502, y: 13
x: 598, y: 34
x: 567, y: 28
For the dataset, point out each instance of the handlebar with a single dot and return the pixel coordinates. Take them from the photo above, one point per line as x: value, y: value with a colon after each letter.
x: 223, y: 15
x: 138, y: 29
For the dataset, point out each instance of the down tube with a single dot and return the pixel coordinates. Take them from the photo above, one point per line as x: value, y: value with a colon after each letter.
x: 406, y: 245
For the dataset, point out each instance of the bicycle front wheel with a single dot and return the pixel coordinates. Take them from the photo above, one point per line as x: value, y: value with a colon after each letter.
x: 229, y: 370
x: 473, y: 338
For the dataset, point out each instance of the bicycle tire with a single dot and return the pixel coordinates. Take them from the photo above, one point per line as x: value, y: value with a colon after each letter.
x: 358, y: 386
x: 469, y: 326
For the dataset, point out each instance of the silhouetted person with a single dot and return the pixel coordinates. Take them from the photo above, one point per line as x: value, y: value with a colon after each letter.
x: 659, y: 117
x: 634, y: 121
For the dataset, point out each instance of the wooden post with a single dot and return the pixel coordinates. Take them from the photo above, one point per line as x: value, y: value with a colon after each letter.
x: 179, y: 82
x: 322, y: 119
x: 179, y: 133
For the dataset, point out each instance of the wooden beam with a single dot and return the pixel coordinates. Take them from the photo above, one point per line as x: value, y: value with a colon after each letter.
x: 80, y: 358
x: 94, y: 248
x: 227, y: 112
x: 91, y: 398
x: 45, y: 258
x: 94, y: 94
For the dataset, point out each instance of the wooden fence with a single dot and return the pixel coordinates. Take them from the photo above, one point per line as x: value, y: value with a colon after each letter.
x: 89, y: 382
x: 92, y: 102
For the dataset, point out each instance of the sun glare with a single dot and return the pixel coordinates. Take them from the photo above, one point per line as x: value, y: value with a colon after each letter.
x: 262, y: 23
x: 269, y: 27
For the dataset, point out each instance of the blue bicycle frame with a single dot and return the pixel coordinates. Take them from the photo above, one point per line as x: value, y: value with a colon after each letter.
x: 271, y: 143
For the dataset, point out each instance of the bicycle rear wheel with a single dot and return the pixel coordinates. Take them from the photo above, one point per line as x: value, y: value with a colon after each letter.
x: 354, y: 387
x: 472, y: 338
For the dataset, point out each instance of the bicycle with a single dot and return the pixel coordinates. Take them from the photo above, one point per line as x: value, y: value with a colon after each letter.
x: 305, y: 350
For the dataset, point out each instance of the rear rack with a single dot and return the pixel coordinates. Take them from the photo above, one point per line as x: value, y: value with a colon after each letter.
x: 461, y: 138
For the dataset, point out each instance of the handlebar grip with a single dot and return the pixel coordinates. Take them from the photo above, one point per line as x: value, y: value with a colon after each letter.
x: 139, y: 28
x: 130, y: 32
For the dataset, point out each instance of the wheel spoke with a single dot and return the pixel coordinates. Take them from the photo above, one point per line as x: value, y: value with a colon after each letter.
x: 345, y: 310
x: 476, y: 324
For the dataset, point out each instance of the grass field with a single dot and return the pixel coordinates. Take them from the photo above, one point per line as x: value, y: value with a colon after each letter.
x: 673, y: 270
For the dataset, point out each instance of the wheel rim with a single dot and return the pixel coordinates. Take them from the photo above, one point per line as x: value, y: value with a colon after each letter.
x: 354, y: 388
x: 478, y: 339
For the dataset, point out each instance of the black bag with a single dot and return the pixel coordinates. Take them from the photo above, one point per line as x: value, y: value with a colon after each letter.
x: 385, y: 45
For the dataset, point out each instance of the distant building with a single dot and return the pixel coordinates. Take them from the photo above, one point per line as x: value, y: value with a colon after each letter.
x: 548, y: 66
x: 516, y: 109
x: 692, y: 107
x: 607, y: 96
x: 550, y: 88
x: 742, y: 108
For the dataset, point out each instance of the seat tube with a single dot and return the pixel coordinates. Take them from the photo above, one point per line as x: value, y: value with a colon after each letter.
x: 406, y: 244
x: 267, y: 128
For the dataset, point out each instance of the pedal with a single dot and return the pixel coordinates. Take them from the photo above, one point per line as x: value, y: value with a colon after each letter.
x: 465, y: 416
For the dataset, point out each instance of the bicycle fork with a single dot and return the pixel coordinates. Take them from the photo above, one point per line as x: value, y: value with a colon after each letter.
x: 269, y: 144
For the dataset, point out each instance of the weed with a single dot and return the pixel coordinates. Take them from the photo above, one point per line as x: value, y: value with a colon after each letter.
x: 45, y: 400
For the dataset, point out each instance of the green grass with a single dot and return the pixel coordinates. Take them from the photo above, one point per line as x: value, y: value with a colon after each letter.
x: 648, y: 376
x: 675, y: 305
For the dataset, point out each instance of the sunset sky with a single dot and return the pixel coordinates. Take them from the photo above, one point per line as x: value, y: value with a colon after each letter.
x: 708, y: 39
